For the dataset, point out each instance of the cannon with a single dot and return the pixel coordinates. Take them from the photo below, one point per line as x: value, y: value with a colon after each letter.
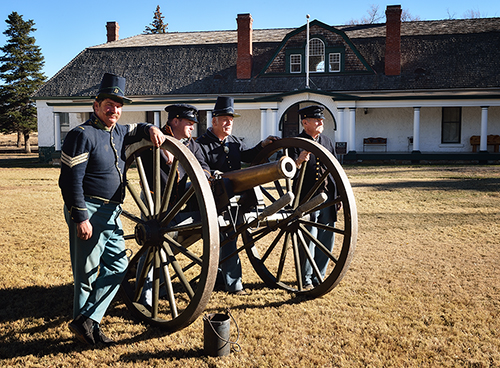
x: 175, y: 235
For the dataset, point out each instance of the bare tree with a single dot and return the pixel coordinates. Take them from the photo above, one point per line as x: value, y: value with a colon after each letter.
x: 472, y: 14
x: 450, y: 15
x: 374, y: 16
x: 407, y: 17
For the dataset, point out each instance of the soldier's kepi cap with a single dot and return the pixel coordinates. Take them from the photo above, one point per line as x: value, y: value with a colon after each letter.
x: 312, y: 111
x: 113, y: 87
x: 182, y: 111
x: 224, y: 106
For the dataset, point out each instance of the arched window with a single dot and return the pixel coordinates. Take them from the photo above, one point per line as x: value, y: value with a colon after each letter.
x: 316, y: 55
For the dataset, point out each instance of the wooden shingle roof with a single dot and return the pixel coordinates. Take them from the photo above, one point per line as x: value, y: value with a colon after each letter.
x: 435, y: 55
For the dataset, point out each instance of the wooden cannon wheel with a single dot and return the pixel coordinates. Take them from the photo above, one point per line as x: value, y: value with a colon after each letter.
x: 277, y: 250
x: 175, y: 240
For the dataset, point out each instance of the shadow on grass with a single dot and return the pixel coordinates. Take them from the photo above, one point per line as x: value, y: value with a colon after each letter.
x: 30, y: 161
x: 476, y: 184
x: 22, y: 309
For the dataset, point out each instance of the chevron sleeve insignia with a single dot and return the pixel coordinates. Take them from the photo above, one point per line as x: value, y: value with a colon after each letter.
x: 132, y: 129
x: 73, y: 161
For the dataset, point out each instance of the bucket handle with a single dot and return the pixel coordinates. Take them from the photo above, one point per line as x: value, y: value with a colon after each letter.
x: 236, y: 349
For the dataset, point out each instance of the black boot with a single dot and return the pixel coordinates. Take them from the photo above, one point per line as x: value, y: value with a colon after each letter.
x: 100, y: 337
x: 83, y: 328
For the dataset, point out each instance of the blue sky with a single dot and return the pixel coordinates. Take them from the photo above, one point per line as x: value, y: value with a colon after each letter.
x: 65, y: 28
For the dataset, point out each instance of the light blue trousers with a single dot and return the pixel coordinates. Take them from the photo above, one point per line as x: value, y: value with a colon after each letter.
x: 327, y: 238
x: 98, y: 264
x: 231, y: 269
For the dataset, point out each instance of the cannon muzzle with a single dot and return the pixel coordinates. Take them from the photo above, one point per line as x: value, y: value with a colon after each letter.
x: 253, y: 176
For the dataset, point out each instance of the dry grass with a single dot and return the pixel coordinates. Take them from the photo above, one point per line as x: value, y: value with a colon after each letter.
x: 422, y: 290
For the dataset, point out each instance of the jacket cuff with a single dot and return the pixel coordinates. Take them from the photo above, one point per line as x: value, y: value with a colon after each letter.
x: 78, y: 214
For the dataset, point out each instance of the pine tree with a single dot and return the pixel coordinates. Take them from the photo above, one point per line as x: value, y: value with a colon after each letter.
x: 20, y: 70
x: 157, y: 26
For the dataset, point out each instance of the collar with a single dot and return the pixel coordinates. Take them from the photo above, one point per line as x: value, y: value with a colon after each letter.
x: 213, y: 136
x: 309, y: 137
x: 96, y: 122
x: 167, y: 130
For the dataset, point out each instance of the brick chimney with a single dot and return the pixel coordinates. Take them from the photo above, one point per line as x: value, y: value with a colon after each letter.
x: 244, y: 60
x: 393, y: 40
x: 112, y: 28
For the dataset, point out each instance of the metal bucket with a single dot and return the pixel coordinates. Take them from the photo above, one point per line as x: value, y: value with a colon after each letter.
x: 216, y: 334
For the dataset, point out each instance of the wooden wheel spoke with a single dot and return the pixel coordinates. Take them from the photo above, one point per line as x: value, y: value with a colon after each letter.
x: 178, y: 269
x: 177, y: 207
x: 156, y: 284
x: 187, y: 228
x: 281, y: 266
x: 298, y: 187
x: 145, y: 187
x: 272, y: 246
x: 305, y: 249
x: 141, y: 280
x: 156, y: 181
x: 322, y: 227
x: 316, y: 186
x: 267, y: 194
x: 288, y: 182
x: 168, y: 284
x: 318, y: 243
x: 167, y: 192
x: 279, y: 189
x: 175, y: 245
x: 132, y: 217
x: 137, y: 199
x: 296, y: 258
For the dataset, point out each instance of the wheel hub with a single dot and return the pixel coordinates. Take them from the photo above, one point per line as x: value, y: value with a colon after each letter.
x: 148, y: 233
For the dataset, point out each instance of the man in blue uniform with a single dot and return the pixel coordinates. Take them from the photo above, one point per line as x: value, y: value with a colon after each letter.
x: 224, y: 152
x: 312, y: 122
x: 92, y: 183
x: 180, y: 125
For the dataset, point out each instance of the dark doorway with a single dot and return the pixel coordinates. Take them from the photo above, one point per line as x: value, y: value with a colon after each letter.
x: 289, y: 122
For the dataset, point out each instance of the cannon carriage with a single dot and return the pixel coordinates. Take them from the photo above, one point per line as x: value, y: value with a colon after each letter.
x: 177, y: 232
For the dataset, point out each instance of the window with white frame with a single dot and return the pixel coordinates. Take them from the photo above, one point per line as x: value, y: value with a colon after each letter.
x: 451, y: 125
x: 316, y: 55
x: 295, y: 63
x: 334, y: 62
x: 64, y: 124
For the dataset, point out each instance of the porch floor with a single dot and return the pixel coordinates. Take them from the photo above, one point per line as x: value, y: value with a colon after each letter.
x: 423, y: 157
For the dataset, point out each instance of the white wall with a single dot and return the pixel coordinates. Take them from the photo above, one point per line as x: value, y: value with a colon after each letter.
x: 248, y: 126
x: 45, y: 118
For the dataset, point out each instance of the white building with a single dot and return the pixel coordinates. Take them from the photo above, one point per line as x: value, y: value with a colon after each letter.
x: 424, y: 87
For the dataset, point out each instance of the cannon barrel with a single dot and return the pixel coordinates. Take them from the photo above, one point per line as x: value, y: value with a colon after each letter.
x: 253, y: 176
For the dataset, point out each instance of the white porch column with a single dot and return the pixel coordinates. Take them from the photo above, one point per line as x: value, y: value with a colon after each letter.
x: 352, y: 129
x: 263, y: 122
x: 274, y: 122
x: 483, y: 142
x: 157, y: 118
x: 209, y: 118
x: 416, y: 129
x: 57, y: 131
x: 340, y: 126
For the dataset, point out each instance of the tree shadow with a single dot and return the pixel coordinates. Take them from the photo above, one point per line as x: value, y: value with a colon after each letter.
x: 22, y: 162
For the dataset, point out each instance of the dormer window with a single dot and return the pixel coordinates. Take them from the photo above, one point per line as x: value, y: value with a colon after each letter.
x: 316, y: 56
x: 295, y: 63
x: 334, y: 62
x: 323, y: 58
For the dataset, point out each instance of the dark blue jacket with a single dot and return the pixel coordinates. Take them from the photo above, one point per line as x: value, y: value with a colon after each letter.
x: 93, y: 163
x: 315, y: 169
x: 147, y: 160
x: 227, y: 155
